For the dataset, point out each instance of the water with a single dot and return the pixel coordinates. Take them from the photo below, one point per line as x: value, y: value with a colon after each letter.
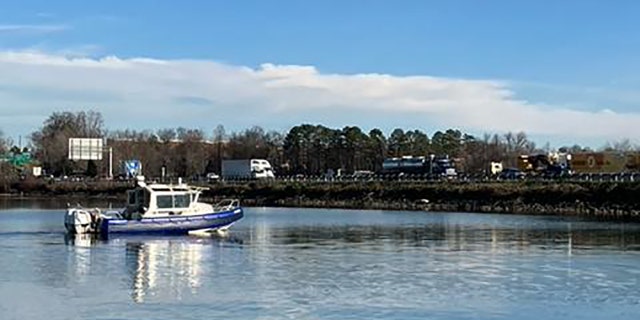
x: 324, y: 264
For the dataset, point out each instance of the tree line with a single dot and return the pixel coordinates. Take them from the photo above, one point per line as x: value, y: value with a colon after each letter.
x: 305, y: 149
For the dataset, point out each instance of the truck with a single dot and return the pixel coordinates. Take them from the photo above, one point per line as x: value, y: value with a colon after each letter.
x: 247, y: 169
x: 605, y: 162
x: 547, y: 165
x: 435, y: 166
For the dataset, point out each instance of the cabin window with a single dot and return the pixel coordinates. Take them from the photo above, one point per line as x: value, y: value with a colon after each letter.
x: 164, y: 202
x: 177, y: 201
x: 182, y: 201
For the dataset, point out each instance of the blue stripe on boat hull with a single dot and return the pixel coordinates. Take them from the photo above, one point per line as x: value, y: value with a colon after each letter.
x: 173, y: 224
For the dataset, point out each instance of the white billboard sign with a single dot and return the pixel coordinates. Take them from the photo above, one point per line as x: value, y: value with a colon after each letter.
x: 85, y: 149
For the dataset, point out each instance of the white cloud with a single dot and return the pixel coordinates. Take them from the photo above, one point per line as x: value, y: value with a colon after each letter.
x: 31, y: 29
x: 145, y: 93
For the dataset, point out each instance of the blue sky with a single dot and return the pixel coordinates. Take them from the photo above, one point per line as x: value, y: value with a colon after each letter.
x: 573, y: 57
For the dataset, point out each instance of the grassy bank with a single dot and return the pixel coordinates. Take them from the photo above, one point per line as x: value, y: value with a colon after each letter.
x: 601, y: 200
x: 605, y: 200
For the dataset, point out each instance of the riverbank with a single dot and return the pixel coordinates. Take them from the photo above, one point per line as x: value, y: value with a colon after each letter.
x: 602, y: 200
x: 598, y: 200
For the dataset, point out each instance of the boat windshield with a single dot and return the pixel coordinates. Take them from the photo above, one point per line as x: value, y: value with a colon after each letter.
x: 173, y: 201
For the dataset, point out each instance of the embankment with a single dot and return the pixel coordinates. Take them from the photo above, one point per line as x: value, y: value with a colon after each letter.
x: 599, y: 200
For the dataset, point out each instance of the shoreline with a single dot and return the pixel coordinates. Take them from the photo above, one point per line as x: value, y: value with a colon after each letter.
x: 606, y: 201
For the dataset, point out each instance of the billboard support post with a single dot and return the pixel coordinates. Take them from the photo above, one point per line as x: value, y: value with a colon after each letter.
x: 90, y: 149
x: 110, y: 163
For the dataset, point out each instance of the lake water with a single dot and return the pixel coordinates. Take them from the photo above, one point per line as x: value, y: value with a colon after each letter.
x: 324, y: 264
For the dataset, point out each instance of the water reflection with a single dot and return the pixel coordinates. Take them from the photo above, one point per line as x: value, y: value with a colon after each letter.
x: 490, y: 268
x: 163, y: 265
x: 170, y: 267
x: 165, y: 268
x: 82, y: 240
x: 372, y: 266
x: 458, y: 238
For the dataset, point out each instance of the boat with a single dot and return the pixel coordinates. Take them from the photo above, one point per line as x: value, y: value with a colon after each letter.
x: 156, y: 208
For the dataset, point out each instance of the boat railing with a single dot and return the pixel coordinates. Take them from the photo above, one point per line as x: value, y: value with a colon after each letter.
x: 227, y: 204
x: 113, y: 214
x: 78, y: 207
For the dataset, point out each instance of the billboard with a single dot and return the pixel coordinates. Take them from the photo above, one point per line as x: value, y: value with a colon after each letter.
x: 85, y: 149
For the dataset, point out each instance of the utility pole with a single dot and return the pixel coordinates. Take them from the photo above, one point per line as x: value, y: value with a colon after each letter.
x: 431, y: 156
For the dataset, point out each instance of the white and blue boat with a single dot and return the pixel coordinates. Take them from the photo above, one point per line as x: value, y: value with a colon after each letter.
x: 156, y: 209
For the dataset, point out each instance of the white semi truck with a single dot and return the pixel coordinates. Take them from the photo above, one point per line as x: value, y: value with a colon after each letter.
x: 247, y: 169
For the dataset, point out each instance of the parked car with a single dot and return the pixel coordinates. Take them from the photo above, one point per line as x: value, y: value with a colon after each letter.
x: 511, y: 174
x: 212, y: 176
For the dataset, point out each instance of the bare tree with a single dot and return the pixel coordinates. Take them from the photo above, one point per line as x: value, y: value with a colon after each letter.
x: 3, y: 143
x: 51, y: 143
x: 624, y: 145
x: 219, y: 138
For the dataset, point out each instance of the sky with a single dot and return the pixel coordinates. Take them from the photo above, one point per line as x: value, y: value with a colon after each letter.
x: 564, y: 72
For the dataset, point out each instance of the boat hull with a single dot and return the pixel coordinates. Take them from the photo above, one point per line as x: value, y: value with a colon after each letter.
x: 172, y: 224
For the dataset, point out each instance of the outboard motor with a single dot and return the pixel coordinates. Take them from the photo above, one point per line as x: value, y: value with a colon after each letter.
x: 81, y: 221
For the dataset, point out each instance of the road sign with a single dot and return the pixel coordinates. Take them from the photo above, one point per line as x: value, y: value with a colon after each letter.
x: 133, y: 168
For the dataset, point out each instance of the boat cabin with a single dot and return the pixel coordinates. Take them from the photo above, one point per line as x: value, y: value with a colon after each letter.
x: 156, y: 200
